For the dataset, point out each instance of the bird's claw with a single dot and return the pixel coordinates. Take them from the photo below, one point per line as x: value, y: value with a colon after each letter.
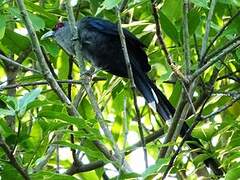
x: 88, y: 73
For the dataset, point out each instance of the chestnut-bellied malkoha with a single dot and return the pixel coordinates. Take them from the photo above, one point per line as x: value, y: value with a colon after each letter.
x: 100, y: 43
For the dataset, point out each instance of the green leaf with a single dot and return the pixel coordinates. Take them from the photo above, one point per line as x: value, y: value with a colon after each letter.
x: 2, y: 26
x: 46, y: 175
x: 204, y: 131
x: 38, y: 23
x: 92, y: 153
x: 11, y: 37
x: 30, y: 78
x: 230, y: 2
x: 109, y: 4
x: 172, y: 9
x: 63, y: 66
x: 117, y: 127
x: 81, y: 134
x: 39, y: 103
x: 238, y: 55
x: 176, y: 93
x: 156, y: 168
x: 193, y: 21
x: 12, y: 139
x: 233, y: 174
x: 9, y: 101
x: 51, y: 47
x: 78, y: 121
x: 168, y: 27
x: 49, y: 18
x: 199, y: 159
x: 201, y: 3
x: 129, y: 175
x: 26, y: 99
x: 6, y: 112
x: 235, y: 142
x: 5, y: 130
x: 9, y: 172
x: 118, y: 99
x: 86, y: 110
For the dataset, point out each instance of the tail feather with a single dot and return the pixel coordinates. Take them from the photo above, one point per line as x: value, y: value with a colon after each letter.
x: 154, y: 96
x: 156, y: 99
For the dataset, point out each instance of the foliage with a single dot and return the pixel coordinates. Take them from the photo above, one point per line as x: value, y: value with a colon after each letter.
x: 33, y: 119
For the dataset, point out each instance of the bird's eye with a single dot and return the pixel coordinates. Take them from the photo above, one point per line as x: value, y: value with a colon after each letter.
x: 58, y: 26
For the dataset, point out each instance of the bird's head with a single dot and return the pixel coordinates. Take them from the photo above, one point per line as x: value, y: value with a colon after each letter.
x: 61, y: 33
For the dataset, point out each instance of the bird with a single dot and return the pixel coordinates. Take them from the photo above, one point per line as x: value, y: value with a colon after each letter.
x: 100, y: 44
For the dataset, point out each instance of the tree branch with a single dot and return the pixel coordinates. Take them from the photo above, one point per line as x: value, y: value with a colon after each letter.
x: 16, y: 64
x: 13, y: 160
x: 168, y: 56
x: 186, y: 43
x: 173, y: 126
x: 215, y: 59
x: 197, y: 120
x: 95, y: 79
x: 84, y: 167
x: 78, y: 56
x: 207, y: 30
x: 235, y: 99
x: 220, y: 32
x: 53, y: 83
x: 133, y: 86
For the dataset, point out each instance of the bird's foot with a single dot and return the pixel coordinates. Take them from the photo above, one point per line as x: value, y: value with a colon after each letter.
x: 88, y: 74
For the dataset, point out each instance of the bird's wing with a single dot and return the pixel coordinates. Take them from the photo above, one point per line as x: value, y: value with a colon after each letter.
x: 135, y: 46
x: 112, y: 29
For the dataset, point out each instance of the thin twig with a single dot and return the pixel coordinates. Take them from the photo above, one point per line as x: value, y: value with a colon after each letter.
x: 196, y: 46
x: 197, y: 120
x: 85, y: 167
x: 215, y: 59
x: 173, y: 126
x: 13, y: 160
x: 235, y: 99
x: 207, y: 30
x: 123, y: 5
x: 95, y: 79
x: 41, y: 59
x: 125, y: 129
x: 148, y: 139
x: 133, y: 87
x: 168, y: 56
x: 57, y: 156
x: 189, y: 98
x: 220, y: 32
x: 16, y: 64
x: 228, y: 75
x: 230, y: 70
x: 188, y: 133
x: 24, y: 55
x: 186, y: 47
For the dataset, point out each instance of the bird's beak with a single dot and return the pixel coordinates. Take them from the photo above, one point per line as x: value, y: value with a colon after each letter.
x: 47, y: 35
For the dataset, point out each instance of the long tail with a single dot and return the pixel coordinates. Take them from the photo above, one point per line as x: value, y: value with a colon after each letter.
x: 156, y: 99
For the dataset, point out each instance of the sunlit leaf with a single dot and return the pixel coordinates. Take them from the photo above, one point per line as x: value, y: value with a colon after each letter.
x: 201, y: 3
x: 2, y: 26
x: 233, y: 174
x: 27, y: 98
x: 156, y: 168
x: 51, y: 175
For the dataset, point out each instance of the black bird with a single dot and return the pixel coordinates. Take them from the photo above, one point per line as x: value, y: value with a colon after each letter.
x: 100, y: 43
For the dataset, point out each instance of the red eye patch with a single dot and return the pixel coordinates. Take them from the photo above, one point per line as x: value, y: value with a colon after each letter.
x: 58, y: 26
